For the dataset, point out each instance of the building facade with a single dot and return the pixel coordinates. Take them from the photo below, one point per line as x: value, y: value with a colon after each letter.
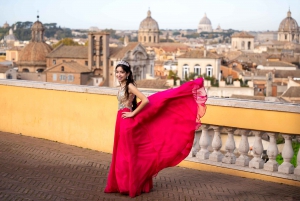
x: 199, y: 62
x: 242, y: 41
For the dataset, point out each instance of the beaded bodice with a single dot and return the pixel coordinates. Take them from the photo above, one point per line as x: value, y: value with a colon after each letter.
x: 123, y: 102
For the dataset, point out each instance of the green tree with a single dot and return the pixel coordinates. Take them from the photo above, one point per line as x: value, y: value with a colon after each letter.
x: 176, y: 33
x: 66, y: 41
x: 173, y: 75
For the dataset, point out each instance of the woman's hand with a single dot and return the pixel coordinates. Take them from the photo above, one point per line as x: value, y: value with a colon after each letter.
x: 127, y: 115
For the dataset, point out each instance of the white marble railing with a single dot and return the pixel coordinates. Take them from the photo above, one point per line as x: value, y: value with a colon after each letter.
x: 242, y: 158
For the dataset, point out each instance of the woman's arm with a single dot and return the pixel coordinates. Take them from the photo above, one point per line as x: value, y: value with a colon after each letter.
x: 141, y: 96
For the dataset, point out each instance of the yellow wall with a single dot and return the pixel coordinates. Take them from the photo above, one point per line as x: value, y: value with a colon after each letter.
x: 263, y: 120
x: 81, y: 119
x: 87, y: 120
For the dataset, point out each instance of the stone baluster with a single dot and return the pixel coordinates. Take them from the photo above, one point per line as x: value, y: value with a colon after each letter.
x: 193, y: 147
x: 243, y: 159
x: 204, y: 143
x: 216, y: 155
x: 272, y: 152
x: 297, y: 169
x: 196, y: 146
x: 229, y: 157
x: 257, y: 162
x: 287, y: 154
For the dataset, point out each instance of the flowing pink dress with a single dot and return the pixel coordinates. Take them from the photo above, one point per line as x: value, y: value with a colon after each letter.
x: 160, y: 136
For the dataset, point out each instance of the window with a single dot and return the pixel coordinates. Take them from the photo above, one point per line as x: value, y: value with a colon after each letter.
x: 144, y: 38
x: 197, y: 69
x: 112, y: 63
x: 54, y: 61
x: 101, y: 63
x: 149, y: 38
x: 62, y: 68
x: 62, y: 77
x: 209, y: 70
x: 94, y: 63
x: 185, y: 71
x: 86, y: 63
x: 70, y: 78
x: 285, y: 36
x: 54, y: 77
x: 154, y: 39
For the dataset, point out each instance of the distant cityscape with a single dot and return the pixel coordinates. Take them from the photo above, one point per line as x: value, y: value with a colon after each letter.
x: 235, y: 64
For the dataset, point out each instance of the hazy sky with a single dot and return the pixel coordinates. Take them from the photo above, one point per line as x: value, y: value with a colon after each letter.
x: 254, y: 15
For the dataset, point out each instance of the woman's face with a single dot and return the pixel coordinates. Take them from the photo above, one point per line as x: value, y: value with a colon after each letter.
x: 121, y: 75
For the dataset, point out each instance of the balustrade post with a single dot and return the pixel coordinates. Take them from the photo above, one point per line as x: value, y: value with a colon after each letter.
x: 196, y: 145
x: 204, y: 143
x: 229, y: 157
x: 216, y: 155
x: 257, y: 162
x: 297, y: 169
x: 272, y: 152
x: 243, y: 159
x: 193, y: 147
x: 287, y: 154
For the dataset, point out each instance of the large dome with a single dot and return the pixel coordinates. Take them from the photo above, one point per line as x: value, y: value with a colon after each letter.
x: 205, y: 20
x: 288, y: 23
x: 149, y: 24
x: 35, y: 52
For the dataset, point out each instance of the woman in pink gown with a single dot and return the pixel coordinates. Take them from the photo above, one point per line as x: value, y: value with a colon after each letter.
x: 157, y: 134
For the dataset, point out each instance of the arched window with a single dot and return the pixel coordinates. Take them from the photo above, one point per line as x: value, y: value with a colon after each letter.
x: 285, y: 36
x: 8, y: 76
x: 197, y: 69
x: 25, y: 70
x: 144, y: 38
x: 243, y: 45
x: 40, y: 70
x: 62, y: 68
x: 209, y: 70
x: 249, y: 45
x: 149, y: 39
x: 154, y: 39
x: 185, y: 71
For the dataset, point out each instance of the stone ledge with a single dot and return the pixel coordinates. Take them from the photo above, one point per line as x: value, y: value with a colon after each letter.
x: 226, y: 102
x: 246, y: 169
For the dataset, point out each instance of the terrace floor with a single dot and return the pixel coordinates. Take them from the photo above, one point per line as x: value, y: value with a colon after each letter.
x: 38, y: 169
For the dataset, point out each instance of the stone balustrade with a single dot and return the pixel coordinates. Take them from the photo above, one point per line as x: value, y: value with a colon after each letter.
x: 244, y: 158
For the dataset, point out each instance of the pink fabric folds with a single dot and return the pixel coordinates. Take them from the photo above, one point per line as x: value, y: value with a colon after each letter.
x: 160, y: 136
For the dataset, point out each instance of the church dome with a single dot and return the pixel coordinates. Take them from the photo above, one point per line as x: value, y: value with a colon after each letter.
x: 205, y: 20
x: 35, y: 52
x: 149, y: 24
x: 288, y: 23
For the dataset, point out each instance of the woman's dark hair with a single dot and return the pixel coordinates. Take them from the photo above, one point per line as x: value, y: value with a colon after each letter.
x: 126, y: 67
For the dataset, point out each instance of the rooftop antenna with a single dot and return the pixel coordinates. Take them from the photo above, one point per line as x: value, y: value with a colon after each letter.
x: 38, y: 15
